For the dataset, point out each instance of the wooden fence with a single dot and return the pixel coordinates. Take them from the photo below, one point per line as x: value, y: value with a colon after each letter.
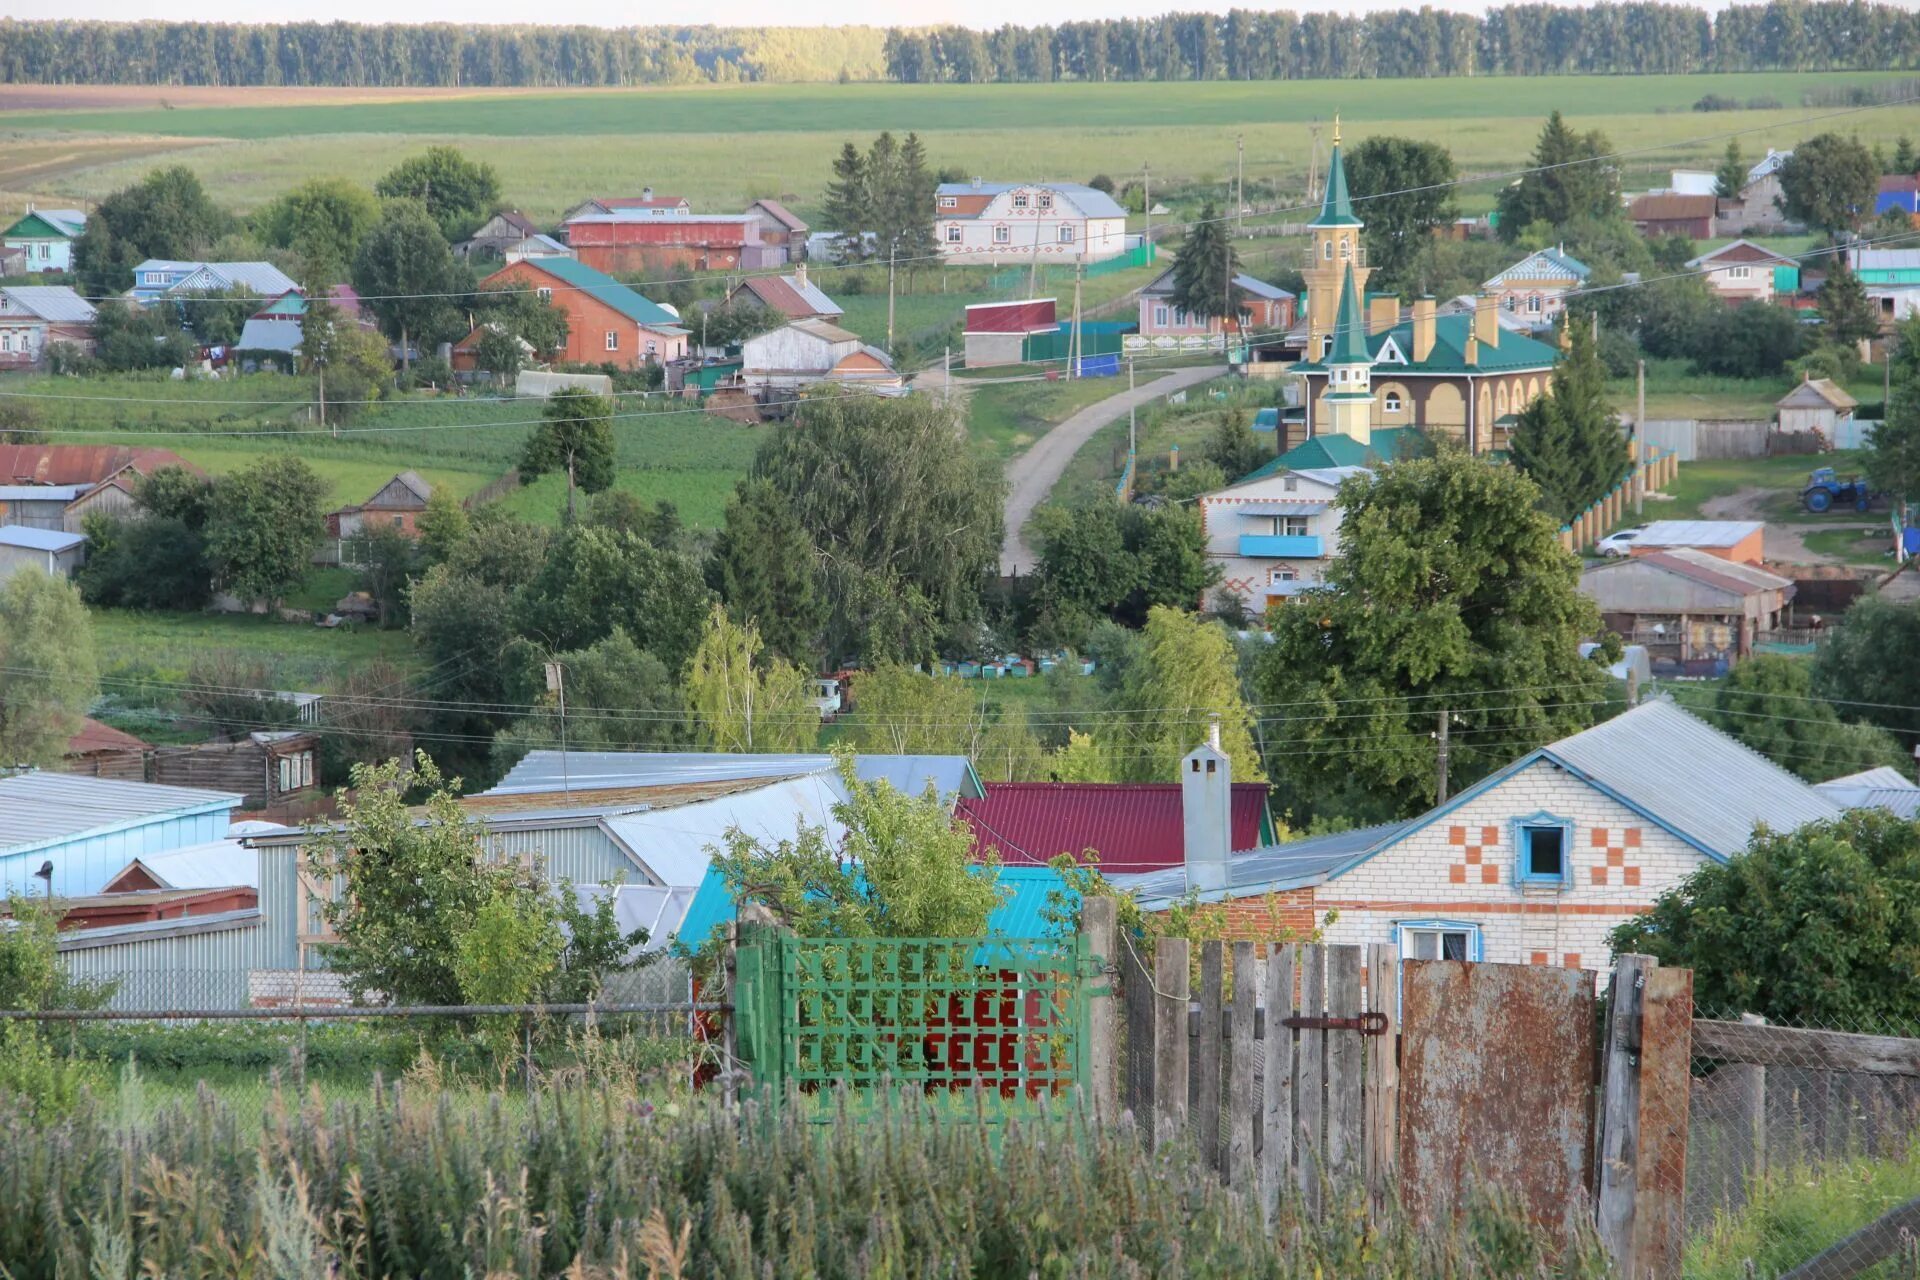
x: 1653, y: 471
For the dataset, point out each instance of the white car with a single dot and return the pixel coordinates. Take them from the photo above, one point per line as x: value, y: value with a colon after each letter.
x: 1619, y: 543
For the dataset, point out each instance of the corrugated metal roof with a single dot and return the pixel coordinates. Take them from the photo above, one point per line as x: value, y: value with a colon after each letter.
x: 1741, y: 251
x: 642, y: 906
x: 1678, y: 769
x: 1277, y: 508
x: 1882, y: 788
x: 81, y: 463
x: 545, y: 771
x: 1297, y: 862
x: 40, y: 808
x: 54, y: 540
x: 1543, y: 264
x: 604, y: 288
x: 1879, y: 776
x: 281, y: 335
x: 1021, y: 913
x: 677, y: 844
x: 54, y: 303
x: 781, y: 214
x: 41, y: 492
x: 1697, y: 533
x: 1090, y: 202
x: 95, y: 736
x: 219, y: 864
x: 1131, y: 826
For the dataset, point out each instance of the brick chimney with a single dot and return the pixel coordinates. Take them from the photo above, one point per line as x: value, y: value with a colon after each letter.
x: 1206, y: 813
x: 1382, y: 313
x: 1486, y: 319
x: 1423, y: 313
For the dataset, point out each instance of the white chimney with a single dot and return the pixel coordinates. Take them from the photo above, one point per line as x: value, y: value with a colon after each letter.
x: 646, y: 193
x: 1206, y: 814
x: 800, y: 274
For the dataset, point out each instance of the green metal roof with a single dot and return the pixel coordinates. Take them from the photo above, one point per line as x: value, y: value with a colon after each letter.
x: 1515, y: 353
x: 35, y: 227
x: 1337, y: 209
x: 1336, y: 450
x: 1349, y: 326
x: 626, y: 301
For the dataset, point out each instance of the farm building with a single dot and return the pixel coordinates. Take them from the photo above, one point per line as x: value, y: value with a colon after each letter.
x: 997, y: 333
x: 792, y: 295
x: 1369, y: 372
x: 112, y: 497
x: 1534, y: 864
x: 1534, y: 290
x: 51, y: 551
x: 664, y: 206
x: 86, y: 464
x: 1746, y: 272
x: 1666, y: 214
x: 267, y: 768
x: 1695, y: 613
x: 536, y: 246
x: 607, y: 322
x: 102, y: 751
x: 89, y: 828
x: 397, y: 505
x: 1736, y: 540
x: 1817, y: 404
x: 34, y: 317
x: 44, y: 238
x: 37, y: 506
x: 1755, y: 210
x: 495, y: 236
x: 810, y: 351
x: 654, y: 240
x: 1266, y: 309
x: 780, y: 229
x: 998, y: 222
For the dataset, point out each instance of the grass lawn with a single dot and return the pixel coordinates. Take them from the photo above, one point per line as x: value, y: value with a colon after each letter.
x: 1007, y: 417
x: 297, y: 656
x: 780, y: 139
x: 1799, y: 1212
x: 1873, y: 549
x: 1675, y: 392
x: 1095, y: 470
x: 1698, y: 482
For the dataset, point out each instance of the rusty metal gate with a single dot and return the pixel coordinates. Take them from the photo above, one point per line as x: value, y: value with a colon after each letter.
x: 1497, y: 1073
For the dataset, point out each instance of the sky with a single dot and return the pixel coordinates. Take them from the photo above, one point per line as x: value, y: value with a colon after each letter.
x: 726, y: 13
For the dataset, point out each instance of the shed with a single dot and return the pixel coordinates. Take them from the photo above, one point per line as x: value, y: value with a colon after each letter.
x: 1687, y: 606
x: 89, y: 828
x: 53, y: 551
x: 266, y: 768
x: 1817, y: 404
x: 809, y: 351
x: 102, y: 751
x: 1738, y: 540
x: 1668, y: 214
x: 37, y: 506
x: 537, y: 382
x: 112, y: 497
x: 996, y: 332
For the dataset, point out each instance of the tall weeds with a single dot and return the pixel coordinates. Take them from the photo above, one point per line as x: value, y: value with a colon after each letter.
x: 588, y: 1185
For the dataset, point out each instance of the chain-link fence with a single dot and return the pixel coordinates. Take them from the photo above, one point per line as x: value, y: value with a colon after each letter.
x: 1803, y: 1150
x: 167, y: 1039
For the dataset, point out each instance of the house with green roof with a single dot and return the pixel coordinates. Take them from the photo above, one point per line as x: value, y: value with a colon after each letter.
x: 607, y: 322
x: 45, y: 237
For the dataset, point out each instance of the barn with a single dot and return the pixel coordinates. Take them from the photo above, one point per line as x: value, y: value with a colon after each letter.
x: 996, y: 333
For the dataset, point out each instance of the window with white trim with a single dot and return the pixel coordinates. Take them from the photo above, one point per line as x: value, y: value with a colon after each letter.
x: 1159, y: 317
x: 46, y: 251
x: 1543, y: 851
x: 613, y: 339
x: 1392, y: 402
x: 1739, y: 273
x: 1326, y: 250
x: 1438, y: 940
x: 1291, y: 526
x: 1279, y: 575
x: 1346, y: 250
x: 1003, y: 234
x: 545, y: 295
x: 1046, y: 199
x: 1066, y: 233
x: 953, y: 235
x: 6, y: 342
x: 1020, y: 200
x: 949, y: 202
x: 1533, y: 304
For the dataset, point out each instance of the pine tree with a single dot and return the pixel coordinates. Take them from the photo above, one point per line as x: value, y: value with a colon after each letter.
x: 1568, y: 441
x: 1904, y: 159
x: 917, y: 243
x: 1204, y: 268
x: 1846, y: 313
x: 846, y: 201
x: 1732, y: 173
x: 884, y: 216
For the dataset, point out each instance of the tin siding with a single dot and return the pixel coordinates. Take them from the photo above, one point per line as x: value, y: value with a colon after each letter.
x: 584, y: 855
x: 195, y: 971
x: 85, y: 863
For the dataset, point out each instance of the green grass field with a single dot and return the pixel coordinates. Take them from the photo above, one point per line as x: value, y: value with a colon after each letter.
x: 1007, y: 417
x: 724, y: 145
x: 164, y: 646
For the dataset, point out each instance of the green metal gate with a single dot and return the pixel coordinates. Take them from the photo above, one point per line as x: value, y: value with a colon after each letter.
x: 993, y: 1016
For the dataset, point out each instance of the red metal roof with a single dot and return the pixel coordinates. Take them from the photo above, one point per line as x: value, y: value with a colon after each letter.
x: 1035, y: 315
x: 1132, y: 826
x: 80, y: 463
x: 95, y: 736
x: 1668, y: 207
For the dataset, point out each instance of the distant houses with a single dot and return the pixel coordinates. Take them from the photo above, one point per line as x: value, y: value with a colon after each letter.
x: 158, y: 277
x: 397, y: 505
x: 997, y: 222
x: 495, y: 236
x: 1671, y: 214
x: 1746, y: 272
x: 35, y: 317
x: 792, y: 295
x: 1534, y: 290
x: 42, y: 239
x: 1266, y: 310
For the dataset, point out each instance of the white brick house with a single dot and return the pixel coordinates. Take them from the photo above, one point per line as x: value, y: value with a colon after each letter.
x: 1537, y: 863
x: 997, y: 222
x: 1273, y: 532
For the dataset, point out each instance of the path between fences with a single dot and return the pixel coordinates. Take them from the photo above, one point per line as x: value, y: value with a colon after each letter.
x: 1032, y: 475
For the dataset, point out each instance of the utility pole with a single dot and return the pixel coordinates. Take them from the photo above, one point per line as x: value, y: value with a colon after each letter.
x: 1640, y: 438
x: 1073, y: 340
x: 1133, y: 438
x: 557, y: 685
x: 890, y: 253
x: 1240, y: 184
x: 946, y: 366
x: 1146, y: 203
x: 1440, y: 787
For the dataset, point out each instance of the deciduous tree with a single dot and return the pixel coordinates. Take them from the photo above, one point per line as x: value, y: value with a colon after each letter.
x: 322, y: 220
x: 1403, y: 189
x: 742, y: 699
x: 763, y: 566
x: 459, y: 193
x: 575, y: 437
x: 407, y: 277
x: 263, y: 524
x: 1829, y: 183
x: 167, y: 214
x: 1767, y: 702
x: 1187, y: 680
x: 51, y: 676
x: 595, y: 579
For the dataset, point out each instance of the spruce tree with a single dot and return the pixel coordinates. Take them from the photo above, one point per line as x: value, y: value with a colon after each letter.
x: 917, y: 244
x: 846, y: 201
x: 1846, y: 313
x: 1204, y: 268
x: 1568, y: 441
x: 1732, y: 173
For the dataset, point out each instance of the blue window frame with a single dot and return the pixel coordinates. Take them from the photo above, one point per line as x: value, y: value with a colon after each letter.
x: 1543, y: 851
x: 1438, y: 940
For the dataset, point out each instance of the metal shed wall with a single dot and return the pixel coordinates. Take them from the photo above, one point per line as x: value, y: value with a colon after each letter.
x: 82, y: 864
x: 202, y: 969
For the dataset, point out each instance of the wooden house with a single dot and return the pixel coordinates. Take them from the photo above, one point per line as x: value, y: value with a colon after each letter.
x: 1665, y: 213
x: 1688, y: 607
x: 45, y: 237
x: 780, y: 229
x: 397, y: 505
x: 792, y: 295
x: 36, y: 316
x: 496, y: 235
x: 266, y: 768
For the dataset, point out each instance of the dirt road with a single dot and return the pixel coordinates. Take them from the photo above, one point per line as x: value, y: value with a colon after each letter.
x: 1033, y: 474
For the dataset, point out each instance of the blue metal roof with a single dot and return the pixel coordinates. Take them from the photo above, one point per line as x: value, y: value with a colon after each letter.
x: 1293, y: 865
x: 56, y: 540
x: 1020, y: 915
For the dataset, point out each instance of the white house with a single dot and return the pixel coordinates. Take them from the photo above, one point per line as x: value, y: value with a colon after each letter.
x: 34, y: 316
x: 45, y: 237
x: 998, y: 222
x: 1536, y: 863
x: 1273, y: 532
x: 809, y: 351
x: 1892, y: 280
x: 1741, y: 271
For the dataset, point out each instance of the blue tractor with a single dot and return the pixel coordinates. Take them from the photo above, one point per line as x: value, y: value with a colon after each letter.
x: 1825, y: 491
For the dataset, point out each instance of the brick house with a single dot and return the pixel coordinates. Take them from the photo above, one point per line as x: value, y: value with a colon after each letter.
x: 607, y: 322
x: 1534, y: 864
x: 397, y: 505
x: 792, y: 295
x: 1745, y: 272
x: 1266, y: 310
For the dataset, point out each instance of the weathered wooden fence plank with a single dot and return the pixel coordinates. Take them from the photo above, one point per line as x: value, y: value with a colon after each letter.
x: 1169, y: 1040
x: 1749, y: 1083
x: 1205, y: 1083
x: 1345, y: 1069
x: 1136, y: 986
x: 1098, y: 927
x: 1618, y: 1193
x: 1666, y: 1091
x: 1277, y: 1131
x: 1383, y: 1075
x: 1310, y: 1082
x: 1873, y: 1243
x: 1766, y: 1046
x: 1240, y: 1100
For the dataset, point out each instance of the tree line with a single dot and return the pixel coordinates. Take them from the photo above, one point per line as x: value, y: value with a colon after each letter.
x: 1528, y: 39
x: 1524, y: 39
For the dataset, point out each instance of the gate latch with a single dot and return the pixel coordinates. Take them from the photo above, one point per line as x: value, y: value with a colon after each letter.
x: 1367, y: 1024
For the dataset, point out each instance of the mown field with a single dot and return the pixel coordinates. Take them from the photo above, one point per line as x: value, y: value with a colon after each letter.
x: 723, y: 145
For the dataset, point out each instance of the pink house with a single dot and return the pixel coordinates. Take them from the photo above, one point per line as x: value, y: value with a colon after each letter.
x: 1267, y: 309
